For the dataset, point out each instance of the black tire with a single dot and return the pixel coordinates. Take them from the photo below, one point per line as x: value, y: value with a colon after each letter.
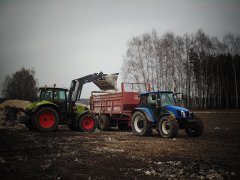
x: 195, y: 128
x: 87, y: 123
x: 104, y: 123
x: 140, y: 125
x: 168, y: 127
x: 124, y: 127
x: 46, y: 119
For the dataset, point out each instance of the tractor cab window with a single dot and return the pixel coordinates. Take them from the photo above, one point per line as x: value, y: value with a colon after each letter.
x: 46, y: 95
x: 152, y: 99
x: 143, y: 100
x: 41, y: 95
x: 167, y: 99
x: 59, y: 95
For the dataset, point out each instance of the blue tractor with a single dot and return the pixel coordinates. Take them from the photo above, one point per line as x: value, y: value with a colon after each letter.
x: 159, y: 110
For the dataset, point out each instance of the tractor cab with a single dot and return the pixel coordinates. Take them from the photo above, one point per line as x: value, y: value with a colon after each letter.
x: 157, y: 102
x: 56, y: 95
x: 164, y: 100
x: 53, y: 94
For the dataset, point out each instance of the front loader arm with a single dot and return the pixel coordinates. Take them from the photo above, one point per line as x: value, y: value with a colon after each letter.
x: 77, y: 84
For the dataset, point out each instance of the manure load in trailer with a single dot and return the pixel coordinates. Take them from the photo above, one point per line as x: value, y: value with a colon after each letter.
x: 108, y: 83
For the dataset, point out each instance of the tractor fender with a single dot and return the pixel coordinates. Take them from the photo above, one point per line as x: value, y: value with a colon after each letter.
x: 188, y: 122
x: 38, y: 104
x: 79, y: 115
x: 46, y: 104
x: 150, y: 117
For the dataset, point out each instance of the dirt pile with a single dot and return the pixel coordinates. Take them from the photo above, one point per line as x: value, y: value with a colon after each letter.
x: 15, y: 103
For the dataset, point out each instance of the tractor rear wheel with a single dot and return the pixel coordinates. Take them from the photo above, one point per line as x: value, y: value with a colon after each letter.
x: 46, y: 119
x: 168, y: 127
x: 104, y: 123
x: 140, y: 125
x: 87, y: 123
x: 194, y: 129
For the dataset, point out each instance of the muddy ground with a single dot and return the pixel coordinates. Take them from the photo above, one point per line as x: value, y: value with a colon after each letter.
x: 65, y: 154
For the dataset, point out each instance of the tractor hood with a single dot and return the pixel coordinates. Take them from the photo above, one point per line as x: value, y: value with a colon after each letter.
x: 36, y: 104
x: 177, y: 111
x: 174, y: 108
x: 81, y: 107
x: 108, y: 83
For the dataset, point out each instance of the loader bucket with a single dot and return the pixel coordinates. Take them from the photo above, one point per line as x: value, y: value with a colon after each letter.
x: 108, y: 83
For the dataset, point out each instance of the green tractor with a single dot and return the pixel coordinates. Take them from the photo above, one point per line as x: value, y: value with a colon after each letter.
x: 55, y: 108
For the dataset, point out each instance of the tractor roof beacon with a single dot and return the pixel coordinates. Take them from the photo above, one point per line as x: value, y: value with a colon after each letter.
x: 54, y: 107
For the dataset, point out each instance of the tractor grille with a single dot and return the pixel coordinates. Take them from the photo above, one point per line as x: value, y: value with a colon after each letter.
x: 186, y: 113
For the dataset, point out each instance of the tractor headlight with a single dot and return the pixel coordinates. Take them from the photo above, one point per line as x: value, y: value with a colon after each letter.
x: 183, y: 114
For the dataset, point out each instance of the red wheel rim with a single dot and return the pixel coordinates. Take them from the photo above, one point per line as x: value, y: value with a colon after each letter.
x: 47, y: 119
x: 88, y: 123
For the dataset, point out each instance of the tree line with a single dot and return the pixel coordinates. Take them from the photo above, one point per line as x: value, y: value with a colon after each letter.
x: 203, y: 68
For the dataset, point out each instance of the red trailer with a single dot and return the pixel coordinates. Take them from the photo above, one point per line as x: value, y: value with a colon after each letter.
x: 116, y: 108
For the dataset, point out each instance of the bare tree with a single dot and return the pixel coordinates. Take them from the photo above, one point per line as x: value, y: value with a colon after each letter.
x: 21, y: 85
x: 232, y: 46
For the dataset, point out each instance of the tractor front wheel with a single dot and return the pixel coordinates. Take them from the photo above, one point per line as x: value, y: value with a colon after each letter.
x: 87, y: 123
x: 168, y: 127
x: 46, y: 119
x: 140, y: 125
x: 194, y: 129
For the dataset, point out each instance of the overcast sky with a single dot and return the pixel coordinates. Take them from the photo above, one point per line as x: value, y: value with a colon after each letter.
x: 66, y: 39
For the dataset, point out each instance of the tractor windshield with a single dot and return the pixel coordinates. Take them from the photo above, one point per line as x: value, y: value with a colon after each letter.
x: 166, y: 98
x: 46, y: 94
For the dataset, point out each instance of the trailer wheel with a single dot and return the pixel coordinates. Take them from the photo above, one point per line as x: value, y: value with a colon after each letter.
x: 168, y: 127
x: 194, y: 129
x: 140, y: 125
x: 104, y: 123
x: 46, y: 119
x: 87, y: 123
